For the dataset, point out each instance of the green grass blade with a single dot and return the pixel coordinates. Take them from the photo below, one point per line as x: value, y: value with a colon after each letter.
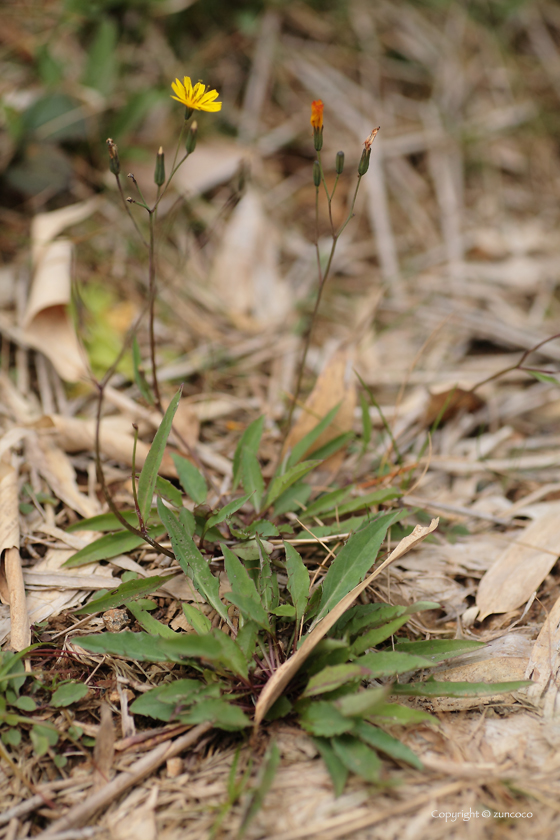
x: 148, y: 476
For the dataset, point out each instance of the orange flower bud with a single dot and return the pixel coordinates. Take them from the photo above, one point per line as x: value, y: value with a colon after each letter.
x: 317, y: 114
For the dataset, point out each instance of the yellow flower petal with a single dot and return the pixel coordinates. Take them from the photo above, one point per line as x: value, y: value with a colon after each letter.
x: 195, y: 98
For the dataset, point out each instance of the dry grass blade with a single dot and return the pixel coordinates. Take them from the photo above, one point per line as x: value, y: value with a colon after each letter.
x: 277, y: 683
x: 79, y: 814
x: 12, y: 586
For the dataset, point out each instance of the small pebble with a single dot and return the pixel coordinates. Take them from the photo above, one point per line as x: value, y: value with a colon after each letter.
x: 114, y: 620
x: 174, y: 767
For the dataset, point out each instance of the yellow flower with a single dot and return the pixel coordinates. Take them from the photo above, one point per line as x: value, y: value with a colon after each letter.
x: 195, y: 98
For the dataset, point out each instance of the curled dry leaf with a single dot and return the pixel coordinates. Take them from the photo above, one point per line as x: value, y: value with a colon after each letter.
x: 12, y: 589
x: 47, y: 324
x: 278, y: 682
x: 73, y: 434
x: 52, y: 463
x: 544, y: 662
x: 335, y: 384
x: 522, y: 567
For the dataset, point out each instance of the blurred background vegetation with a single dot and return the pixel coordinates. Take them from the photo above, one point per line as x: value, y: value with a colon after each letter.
x: 466, y: 93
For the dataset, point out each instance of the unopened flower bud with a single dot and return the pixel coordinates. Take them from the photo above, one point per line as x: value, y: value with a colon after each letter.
x: 339, y: 163
x: 191, y: 138
x: 364, y: 162
x: 317, y: 123
x: 159, y: 174
x: 114, y: 163
x: 317, y: 173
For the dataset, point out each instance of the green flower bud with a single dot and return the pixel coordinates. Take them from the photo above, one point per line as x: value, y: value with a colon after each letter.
x: 317, y: 173
x: 339, y: 163
x: 364, y: 162
x: 114, y: 163
x: 318, y: 138
x: 159, y: 174
x: 191, y: 138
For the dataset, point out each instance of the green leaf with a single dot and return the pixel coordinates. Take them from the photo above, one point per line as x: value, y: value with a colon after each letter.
x: 327, y: 503
x: 298, y: 580
x: 101, y: 70
x: 294, y: 498
x: 376, y: 497
x: 332, y: 677
x: 279, y: 709
x: 334, y: 445
x: 361, y: 703
x: 111, y: 545
x: 105, y: 522
x: 253, y: 482
x: 200, y: 623
x: 192, y: 480
x: 148, y: 476
x: 353, y: 561
x: 360, y: 617
x: 280, y: 483
x: 43, y: 737
x: 227, y: 510
x: 168, y: 491
x: 249, y: 609
x: 250, y: 442
x: 431, y: 688
x: 222, y: 714
x: 284, y: 610
x: 439, y: 649
x: 302, y: 446
x: 388, y: 663
x: 166, y: 701
x: 377, y: 635
x: 543, y: 377
x: 366, y: 422
x: 402, y: 715
x: 187, y: 520
x: 215, y: 647
x: 25, y: 704
x: 124, y: 594
x: 238, y: 576
x: 392, y: 747
x: 266, y: 777
x: 357, y: 757
x: 150, y: 624
x: 192, y: 562
x: 69, y: 693
x: 323, y: 719
x: 337, y: 770
x: 268, y: 581
x: 250, y: 550
x: 231, y: 654
x: 247, y: 639
x: 11, y: 737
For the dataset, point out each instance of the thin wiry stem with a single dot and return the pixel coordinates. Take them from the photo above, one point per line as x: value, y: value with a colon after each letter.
x: 129, y: 211
x: 323, y: 277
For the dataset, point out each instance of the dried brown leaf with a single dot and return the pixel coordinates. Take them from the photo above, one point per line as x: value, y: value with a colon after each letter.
x: 335, y: 384
x: 104, y: 749
x: 522, y: 567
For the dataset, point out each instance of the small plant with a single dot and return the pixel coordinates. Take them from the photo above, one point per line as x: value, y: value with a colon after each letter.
x: 290, y: 641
